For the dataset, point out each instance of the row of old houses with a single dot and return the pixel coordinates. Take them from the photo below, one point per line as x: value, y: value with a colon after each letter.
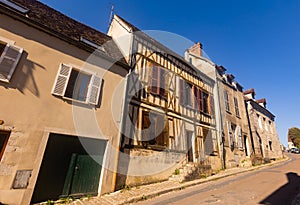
x: 87, y: 113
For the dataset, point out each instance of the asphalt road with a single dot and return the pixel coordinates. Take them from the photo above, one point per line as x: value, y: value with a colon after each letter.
x: 273, y: 185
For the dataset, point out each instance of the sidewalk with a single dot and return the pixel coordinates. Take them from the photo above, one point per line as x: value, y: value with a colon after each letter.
x: 144, y: 192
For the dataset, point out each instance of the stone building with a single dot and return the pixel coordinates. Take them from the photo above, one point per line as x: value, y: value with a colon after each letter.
x: 231, y: 117
x: 236, y: 135
x: 57, y: 81
x: 266, y: 144
x: 169, y: 117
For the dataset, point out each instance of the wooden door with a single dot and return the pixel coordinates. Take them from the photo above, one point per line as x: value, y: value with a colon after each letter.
x: 83, y: 175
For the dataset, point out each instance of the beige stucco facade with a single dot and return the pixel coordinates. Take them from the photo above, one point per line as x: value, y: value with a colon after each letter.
x: 31, y: 113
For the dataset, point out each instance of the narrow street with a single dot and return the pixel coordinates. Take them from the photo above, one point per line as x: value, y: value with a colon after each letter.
x: 275, y: 185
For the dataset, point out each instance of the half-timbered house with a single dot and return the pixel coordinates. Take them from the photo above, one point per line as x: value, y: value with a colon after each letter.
x: 169, y: 117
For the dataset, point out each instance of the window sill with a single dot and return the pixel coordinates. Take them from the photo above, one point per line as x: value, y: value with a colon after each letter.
x: 228, y: 112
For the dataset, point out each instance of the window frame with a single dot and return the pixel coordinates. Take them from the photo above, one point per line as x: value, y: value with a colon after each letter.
x: 61, y: 91
x: 226, y: 101
x: 2, y: 148
x: 236, y: 106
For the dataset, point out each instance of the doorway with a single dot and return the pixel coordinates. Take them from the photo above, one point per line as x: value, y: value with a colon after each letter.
x: 190, y: 155
x: 68, y: 169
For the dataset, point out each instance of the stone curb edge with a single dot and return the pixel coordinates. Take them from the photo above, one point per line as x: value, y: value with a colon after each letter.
x: 193, y: 183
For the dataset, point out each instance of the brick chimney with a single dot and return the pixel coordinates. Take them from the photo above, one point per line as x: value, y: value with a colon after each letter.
x: 196, y: 49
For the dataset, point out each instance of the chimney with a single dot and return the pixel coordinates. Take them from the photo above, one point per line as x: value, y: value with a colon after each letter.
x: 196, y: 49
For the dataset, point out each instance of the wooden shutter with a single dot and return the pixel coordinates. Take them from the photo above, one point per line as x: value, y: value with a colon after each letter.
x: 94, y: 90
x: 8, y: 61
x: 239, y: 134
x: 229, y: 132
x: 155, y: 80
x: 181, y: 90
x: 212, y: 106
x: 61, y: 80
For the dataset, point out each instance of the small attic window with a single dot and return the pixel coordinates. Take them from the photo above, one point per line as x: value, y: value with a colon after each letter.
x: 15, y: 6
x: 90, y: 43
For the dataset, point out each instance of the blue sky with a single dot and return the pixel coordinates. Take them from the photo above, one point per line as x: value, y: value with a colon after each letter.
x: 256, y: 40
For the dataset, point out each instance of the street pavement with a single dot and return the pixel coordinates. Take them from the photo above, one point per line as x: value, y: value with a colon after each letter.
x: 273, y: 185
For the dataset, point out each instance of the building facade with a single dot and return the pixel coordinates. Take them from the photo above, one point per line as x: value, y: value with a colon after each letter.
x: 170, y: 109
x: 266, y: 144
x: 231, y: 117
x: 57, y: 79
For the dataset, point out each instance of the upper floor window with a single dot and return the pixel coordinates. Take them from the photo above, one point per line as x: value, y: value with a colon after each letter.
x: 226, y: 100
x: 73, y: 84
x: 185, y: 93
x: 9, y: 58
x: 236, y: 106
x: 158, y: 80
x: 205, y: 102
x: 198, y: 99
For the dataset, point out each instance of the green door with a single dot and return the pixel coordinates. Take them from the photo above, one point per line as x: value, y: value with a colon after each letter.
x: 83, y: 175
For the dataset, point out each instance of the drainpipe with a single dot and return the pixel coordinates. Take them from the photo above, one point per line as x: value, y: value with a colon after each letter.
x: 220, y: 122
x: 122, y: 126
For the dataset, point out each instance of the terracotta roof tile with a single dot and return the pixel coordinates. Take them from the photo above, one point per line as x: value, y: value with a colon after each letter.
x: 55, y: 21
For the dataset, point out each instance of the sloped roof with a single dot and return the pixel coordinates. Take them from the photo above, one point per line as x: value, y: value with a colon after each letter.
x: 66, y: 27
x: 159, y: 45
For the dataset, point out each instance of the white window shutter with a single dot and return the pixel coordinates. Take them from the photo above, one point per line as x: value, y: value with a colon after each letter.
x: 8, y: 61
x: 229, y: 132
x: 61, y: 80
x: 94, y: 89
x: 239, y: 135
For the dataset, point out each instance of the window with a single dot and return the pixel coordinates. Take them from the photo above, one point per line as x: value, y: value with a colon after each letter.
x: 185, y: 93
x: 270, y: 145
x: 158, y: 80
x: 9, y: 58
x: 205, y: 102
x: 70, y: 83
x: 259, y: 121
x: 236, y: 105
x: 154, y: 129
x: 3, y: 142
x: 226, y: 100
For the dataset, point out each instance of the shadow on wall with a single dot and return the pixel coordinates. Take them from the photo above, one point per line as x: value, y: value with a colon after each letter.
x: 286, y: 193
x: 23, y: 77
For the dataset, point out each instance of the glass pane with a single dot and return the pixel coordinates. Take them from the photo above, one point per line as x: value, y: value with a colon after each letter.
x: 77, y: 87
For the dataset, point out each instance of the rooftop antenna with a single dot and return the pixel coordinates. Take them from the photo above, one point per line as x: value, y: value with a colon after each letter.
x: 111, y: 15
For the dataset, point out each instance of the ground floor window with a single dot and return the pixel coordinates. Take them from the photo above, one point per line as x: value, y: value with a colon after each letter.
x: 4, y: 135
x: 154, y: 129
